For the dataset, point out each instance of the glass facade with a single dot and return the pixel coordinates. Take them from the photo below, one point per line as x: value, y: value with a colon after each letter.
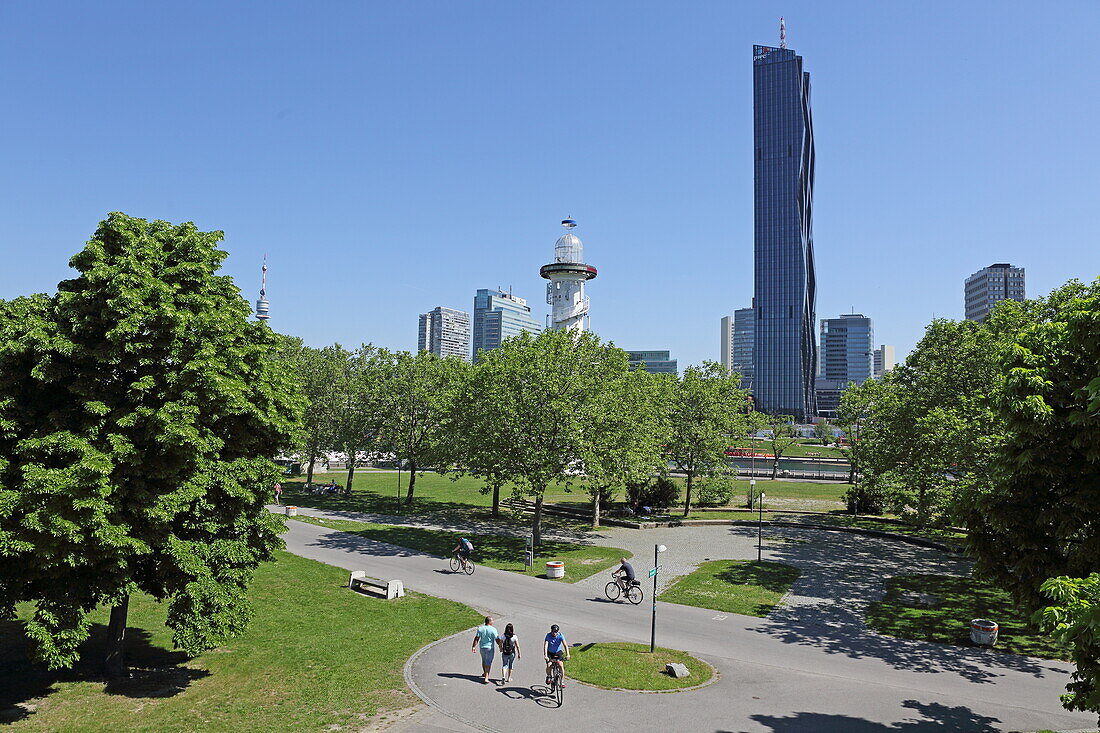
x: 499, y: 316
x: 654, y: 362
x: 847, y: 355
x: 784, y: 345
x: 737, y: 344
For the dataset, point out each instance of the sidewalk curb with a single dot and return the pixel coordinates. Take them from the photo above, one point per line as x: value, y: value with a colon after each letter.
x: 407, y: 671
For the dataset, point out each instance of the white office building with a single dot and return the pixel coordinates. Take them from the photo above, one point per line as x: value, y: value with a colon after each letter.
x: 445, y: 332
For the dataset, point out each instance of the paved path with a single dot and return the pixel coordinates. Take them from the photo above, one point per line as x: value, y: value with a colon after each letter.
x: 810, y: 668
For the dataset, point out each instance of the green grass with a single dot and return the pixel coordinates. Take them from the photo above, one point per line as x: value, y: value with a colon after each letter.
x: 947, y: 621
x: 947, y: 536
x: 734, y: 586
x: 495, y: 551
x: 316, y: 656
x: 631, y: 667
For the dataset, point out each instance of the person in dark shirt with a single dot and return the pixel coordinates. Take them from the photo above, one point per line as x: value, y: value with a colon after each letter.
x: 624, y: 573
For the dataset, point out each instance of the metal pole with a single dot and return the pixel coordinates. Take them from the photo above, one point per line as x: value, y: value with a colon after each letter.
x: 760, y: 527
x: 653, y: 622
x: 398, y: 486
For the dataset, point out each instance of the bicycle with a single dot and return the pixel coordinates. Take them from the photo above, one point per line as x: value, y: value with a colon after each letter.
x: 556, y: 688
x: 456, y: 565
x: 633, y: 591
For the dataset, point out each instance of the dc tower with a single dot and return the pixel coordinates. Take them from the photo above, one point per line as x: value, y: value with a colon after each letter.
x: 262, y: 306
x: 567, y: 275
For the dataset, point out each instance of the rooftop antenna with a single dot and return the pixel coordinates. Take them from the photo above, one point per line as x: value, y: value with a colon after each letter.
x: 782, y: 33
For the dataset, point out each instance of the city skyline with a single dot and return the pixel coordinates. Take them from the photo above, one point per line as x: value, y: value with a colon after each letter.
x: 911, y: 162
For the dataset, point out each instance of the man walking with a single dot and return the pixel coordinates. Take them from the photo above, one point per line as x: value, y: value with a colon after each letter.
x: 485, y: 639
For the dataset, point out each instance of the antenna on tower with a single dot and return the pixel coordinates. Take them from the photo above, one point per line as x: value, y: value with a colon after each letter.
x: 262, y: 306
x: 782, y: 33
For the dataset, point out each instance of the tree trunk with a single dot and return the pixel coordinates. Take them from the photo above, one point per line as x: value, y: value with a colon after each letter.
x: 309, y: 471
x: 496, y: 501
x: 596, y: 509
x: 536, y: 528
x: 351, y: 477
x: 412, y: 484
x: 687, y: 495
x: 775, y: 467
x: 115, y: 664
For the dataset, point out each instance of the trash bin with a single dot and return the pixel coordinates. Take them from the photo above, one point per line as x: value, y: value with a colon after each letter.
x: 292, y: 511
x: 555, y: 569
x: 983, y: 632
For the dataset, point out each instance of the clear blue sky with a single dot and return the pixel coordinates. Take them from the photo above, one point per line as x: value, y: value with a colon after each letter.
x: 390, y: 157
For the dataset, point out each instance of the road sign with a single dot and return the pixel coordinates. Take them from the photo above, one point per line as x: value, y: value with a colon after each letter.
x: 653, y: 571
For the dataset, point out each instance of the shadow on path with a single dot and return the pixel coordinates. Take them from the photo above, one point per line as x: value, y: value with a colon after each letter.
x: 936, y: 717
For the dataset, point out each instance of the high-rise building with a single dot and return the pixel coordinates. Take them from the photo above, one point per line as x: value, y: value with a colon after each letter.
x: 737, y: 344
x: 990, y: 285
x: 847, y: 355
x: 654, y: 362
x: 884, y: 360
x: 498, y: 316
x: 445, y: 332
x: 784, y: 348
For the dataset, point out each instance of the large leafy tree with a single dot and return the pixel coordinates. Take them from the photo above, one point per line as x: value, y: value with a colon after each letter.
x: 707, y: 411
x: 139, y: 411
x: 357, y: 419
x: 782, y: 434
x: 319, y: 375
x: 1074, y: 618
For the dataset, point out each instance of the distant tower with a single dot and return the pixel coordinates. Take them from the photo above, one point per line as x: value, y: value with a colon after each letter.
x: 262, y: 305
x: 567, y: 275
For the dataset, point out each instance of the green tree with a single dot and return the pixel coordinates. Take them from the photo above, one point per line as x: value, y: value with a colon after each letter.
x: 521, y: 416
x: 139, y: 412
x: 359, y: 399
x: 855, y: 416
x: 782, y: 434
x: 1074, y: 618
x: 318, y: 373
x: 824, y: 432
x: 707, y: 411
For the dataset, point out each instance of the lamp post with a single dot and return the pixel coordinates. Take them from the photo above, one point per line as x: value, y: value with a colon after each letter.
x: 399, y: 486
x: 760, y: 526
x: 657, y: 549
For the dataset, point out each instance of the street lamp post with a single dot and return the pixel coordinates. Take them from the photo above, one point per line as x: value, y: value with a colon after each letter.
x: 760, y: 526
x: 657, y: 549
x: 399, y: 486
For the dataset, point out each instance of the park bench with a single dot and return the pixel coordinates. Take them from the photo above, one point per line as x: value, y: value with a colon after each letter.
x: 389, y: 588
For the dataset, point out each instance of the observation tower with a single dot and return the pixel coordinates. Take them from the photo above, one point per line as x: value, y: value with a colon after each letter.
x: 567, y: 275
x: 262, y: 306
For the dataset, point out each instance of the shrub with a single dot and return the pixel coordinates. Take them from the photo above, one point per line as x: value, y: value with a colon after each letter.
x: 658, y: 493
x: 715, y: 491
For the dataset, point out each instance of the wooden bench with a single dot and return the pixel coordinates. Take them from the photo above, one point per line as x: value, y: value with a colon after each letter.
x: 389, y: 588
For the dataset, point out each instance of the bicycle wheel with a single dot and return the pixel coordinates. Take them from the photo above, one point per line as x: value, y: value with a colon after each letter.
x: 559, y: 691
x: 454, y: 564
x: 469, y: 567
x: 634, y: 594
x: 612, y: 590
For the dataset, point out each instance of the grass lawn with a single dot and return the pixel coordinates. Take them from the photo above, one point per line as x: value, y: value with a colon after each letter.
x: 632, y: 667
x: 937, y: 534
x: 496, y: 551
x: 736, y: 586
x: 316, y: 656
x: 953, y: 602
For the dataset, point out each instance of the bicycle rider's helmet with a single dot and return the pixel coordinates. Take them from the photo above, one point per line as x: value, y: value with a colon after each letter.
x: 553, y: 628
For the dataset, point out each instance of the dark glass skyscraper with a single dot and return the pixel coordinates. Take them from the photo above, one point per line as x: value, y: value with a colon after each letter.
x: 784, y: 344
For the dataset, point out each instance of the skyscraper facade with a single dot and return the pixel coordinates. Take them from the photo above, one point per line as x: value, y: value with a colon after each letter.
x: 737, y: 344
x: 784, y: 348
x: 445, y: 332
x: 499, y: 316
x: 884, y: 360
x: 847, y: 355
x: 990, y: 285
x: 654, y: 362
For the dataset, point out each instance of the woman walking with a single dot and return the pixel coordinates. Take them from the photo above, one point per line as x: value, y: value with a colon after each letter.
x: 509, y: 653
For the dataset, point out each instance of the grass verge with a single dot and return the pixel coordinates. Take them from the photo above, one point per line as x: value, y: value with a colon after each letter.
x: 735, y: 586
x: 939, y: 608
x: 624, y: 666
x: 503, y: 552
x: 316, y: 656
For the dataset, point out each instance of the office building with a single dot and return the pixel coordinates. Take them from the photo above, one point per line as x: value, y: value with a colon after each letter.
x: 737, y: 344
x: 499, y: 316
x: 990, y: 285
x: 884, y: 360
x: 784, y: 348
x: 654, y: 362
x: 445, y: 332
x: 846, y: 356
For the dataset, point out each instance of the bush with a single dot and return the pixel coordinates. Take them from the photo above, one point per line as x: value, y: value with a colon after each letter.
x: 715, y: 491
x: 659, y: 493
x: 865, y: 498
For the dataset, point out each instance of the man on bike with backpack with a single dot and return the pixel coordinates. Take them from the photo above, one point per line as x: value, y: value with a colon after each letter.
x: 463, y: 550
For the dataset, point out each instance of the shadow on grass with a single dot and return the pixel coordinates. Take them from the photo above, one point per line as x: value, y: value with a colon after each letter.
x: 937, y: 717
x: 155, y: 672
x: 769, y: 575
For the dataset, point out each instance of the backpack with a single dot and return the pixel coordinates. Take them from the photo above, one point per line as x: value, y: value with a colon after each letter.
x: 508, y: 646
x: 467, y: 545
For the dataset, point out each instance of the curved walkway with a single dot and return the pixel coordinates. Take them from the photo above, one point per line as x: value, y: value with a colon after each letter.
x: 809, y: 667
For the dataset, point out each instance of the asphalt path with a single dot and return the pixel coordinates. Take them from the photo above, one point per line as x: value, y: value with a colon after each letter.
x: 790, y: 672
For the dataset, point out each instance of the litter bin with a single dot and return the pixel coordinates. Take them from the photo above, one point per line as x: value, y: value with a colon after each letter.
x: 292, y: 511
x: 983, y: 632
x: 555, y: 569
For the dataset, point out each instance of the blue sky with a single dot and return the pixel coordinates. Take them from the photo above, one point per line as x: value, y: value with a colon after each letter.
x: 392, y: 157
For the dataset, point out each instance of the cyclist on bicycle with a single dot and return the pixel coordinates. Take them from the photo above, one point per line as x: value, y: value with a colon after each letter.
x: 624, y: 574
x: 463, y: 550
x: 554, y: 650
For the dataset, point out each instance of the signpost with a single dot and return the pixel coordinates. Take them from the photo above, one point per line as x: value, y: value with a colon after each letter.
x: 653, y: 574
x: 760, y: 527
x: 528, y: 554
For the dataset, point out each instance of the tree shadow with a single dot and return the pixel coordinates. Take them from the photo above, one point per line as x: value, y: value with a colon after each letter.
x: 155, y: 672
x: 935, y: 717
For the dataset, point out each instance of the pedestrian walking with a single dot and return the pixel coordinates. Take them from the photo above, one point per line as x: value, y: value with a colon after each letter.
x: 279, y: 494
x: 485, y: 641
x: 509, y: 653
